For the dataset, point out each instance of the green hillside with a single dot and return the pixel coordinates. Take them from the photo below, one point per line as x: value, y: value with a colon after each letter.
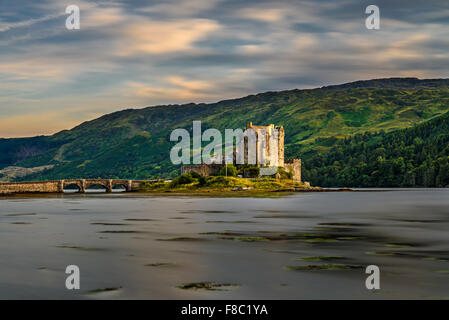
x: 135, y: 143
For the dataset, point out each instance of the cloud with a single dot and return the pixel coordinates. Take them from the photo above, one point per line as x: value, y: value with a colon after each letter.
x: 28, y: 69
x: 182, y: 8
x: 6, y: 26
x: 159, y: 37
x: 267, y: 15
x: 137, y: 53
x: 103, y: 17
x: 174, y: 89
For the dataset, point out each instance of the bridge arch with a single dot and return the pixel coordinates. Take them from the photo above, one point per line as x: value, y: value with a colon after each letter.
x: 106, y: 184
x: 122, y: 186
x: 60, y: 186
x: 72, y: 185
x: 97, y: 186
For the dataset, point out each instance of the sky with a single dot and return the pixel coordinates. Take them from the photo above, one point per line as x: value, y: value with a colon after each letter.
x: 135, y: 53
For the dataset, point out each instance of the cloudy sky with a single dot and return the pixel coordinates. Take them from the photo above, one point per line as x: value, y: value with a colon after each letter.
x: 136, y: 53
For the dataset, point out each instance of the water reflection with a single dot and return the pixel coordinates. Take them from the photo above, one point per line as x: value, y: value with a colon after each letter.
x: 94, y: 190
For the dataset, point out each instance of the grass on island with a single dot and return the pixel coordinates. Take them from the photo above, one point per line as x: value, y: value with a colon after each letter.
x: 195, y: 183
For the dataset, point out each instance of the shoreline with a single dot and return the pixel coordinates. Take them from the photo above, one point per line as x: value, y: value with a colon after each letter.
x: 212, y: 192
x: 182, y: 192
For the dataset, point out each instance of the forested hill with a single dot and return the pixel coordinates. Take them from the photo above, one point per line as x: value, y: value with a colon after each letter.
x: 134, y: 143
x: 392, y: 83
x: 417, y: 156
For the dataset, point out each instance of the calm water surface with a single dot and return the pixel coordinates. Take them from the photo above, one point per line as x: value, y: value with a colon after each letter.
x: 145, y: 246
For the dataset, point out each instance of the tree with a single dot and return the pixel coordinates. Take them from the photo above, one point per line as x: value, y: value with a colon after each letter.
x: 228, y: 170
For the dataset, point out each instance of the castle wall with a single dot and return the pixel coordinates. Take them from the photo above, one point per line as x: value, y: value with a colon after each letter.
x: 293, y: 166
x: 281, y: 146
x: 202, y: 169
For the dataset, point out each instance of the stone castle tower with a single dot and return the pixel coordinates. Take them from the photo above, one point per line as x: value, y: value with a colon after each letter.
x: 269, y: 152
x: 273, y: 150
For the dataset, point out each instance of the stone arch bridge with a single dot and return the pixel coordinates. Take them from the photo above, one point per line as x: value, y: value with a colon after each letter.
x: 58, y: 186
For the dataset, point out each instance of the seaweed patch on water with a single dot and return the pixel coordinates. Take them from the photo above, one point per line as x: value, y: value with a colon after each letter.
x: 396, y: 253
x: 139, y: 219
x: 252, y: 239
x: 182, y: 239
x: 21, y: 222
x: 121, y: 231
x: 398, y: 245
x: 20, y: 214
x: 384, y: 292
x: 327, y: 229
x: 435, y: 259
x: 235, y: 221
x: 280, y: 251
x: 276, y: 236
x: 344, y: 224
x: 350, y: 238
x: 418, y: 220
x: 273, y: 236
x: 215, y: 211
x: 205, y: 211
x: 109, y: 224
x: 321, y: 258
x: 226, y: 238
x: 161, y: 264
x: 275, y: 211
x: 318, y: 240
x: 210, y: 286
x: 281, y: 216
x: 80, y: 248
x: 382, y: 253
x: 392, y: 253
x: 324, y: 237
x: 221, y: 233
x: 103, y: 290
x: 323, y: 267
x: 442, y: 271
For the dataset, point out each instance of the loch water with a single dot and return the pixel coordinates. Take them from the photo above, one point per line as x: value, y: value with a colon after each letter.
x: 284, y: 246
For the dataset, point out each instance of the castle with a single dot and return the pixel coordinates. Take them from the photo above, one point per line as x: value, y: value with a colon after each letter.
x: 268, y: 152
